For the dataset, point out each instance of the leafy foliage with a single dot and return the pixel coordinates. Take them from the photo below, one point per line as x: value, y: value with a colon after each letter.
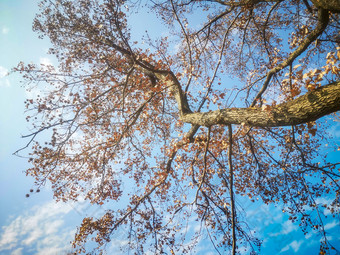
x: 158, y: 118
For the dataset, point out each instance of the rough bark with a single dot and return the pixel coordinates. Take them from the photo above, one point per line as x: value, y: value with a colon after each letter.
x: 309, y: 107
x: 331, y: 5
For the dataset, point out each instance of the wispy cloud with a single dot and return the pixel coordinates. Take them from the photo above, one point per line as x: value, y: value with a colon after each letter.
x: 295, y: 245
x: 42, y: 229
x: 331, y: 225
x: 4, y: 30
x: 17, y: 251
x: 4, y: 82
x: 286, y: 228
x: 45, y: 61
x: 3, y: 71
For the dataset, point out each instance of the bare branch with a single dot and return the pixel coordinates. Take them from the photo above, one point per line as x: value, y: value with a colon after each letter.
x: 231, y: 191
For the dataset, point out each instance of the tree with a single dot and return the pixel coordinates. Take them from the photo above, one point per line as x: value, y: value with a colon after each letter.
x: 218, y: 108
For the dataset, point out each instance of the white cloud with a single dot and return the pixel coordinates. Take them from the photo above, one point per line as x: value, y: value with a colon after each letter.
x: 295, y: 245
x: 51, y: 251
x: 4, y: 30
x: 286, y: 228
x: 42, y: 228
x: 331, y: 225
x: 32, y: 93
x: 286, y: 248
x: 3, y: 71
x: 46, y: 64
x: 17, y: 251
x: 4, y: 82
x: 10, y: 236
x: 45, y: 61
x: 308, y: 235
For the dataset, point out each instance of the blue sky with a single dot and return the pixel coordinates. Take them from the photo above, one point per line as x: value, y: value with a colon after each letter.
x: 38, y: 225
x: 35, y: 225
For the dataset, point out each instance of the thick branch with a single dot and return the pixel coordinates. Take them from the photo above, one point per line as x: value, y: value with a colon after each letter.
x: 331, y: 5
x: 175, y: 88
x: 323, y: 19
x: 165, y: 76
x: 309, y: 107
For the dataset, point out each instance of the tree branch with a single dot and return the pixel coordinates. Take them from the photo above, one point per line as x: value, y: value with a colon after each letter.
x: 309, y: 107
x: 323, y: 19
x: 231, y: 192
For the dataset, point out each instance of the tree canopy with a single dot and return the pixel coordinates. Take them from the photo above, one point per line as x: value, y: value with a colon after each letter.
x: 225, y: 104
